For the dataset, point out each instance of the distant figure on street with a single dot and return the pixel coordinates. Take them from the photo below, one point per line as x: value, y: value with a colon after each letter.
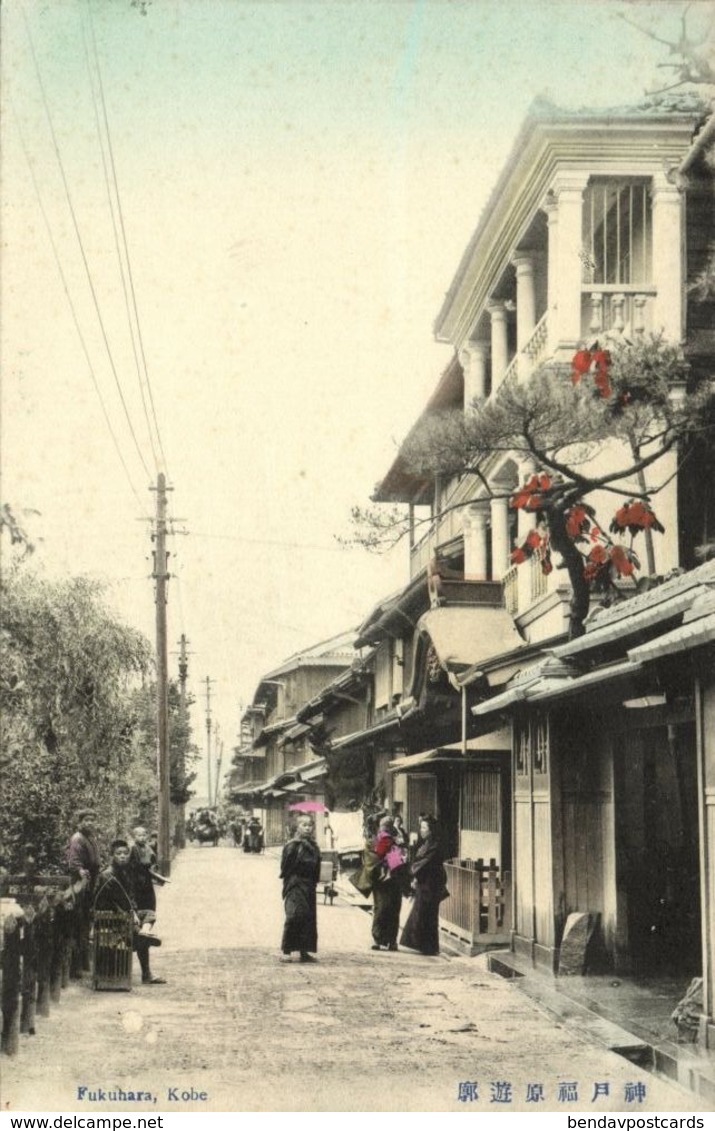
x: 83, y: 863
x: 116, y: 892
x: 300, y: 872
x: 386, y: 888
x: 421, y: 931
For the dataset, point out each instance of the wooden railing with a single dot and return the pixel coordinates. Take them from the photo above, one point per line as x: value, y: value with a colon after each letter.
x: 477, y: 910
x: 38, y: 933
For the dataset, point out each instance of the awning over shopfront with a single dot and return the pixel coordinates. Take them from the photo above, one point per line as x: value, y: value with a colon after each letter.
x: 440, y: 756
x: 425, y: 760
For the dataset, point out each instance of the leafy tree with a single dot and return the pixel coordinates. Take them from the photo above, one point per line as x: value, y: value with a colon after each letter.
x: 66, y: 683
x: 182, y: 751
x: 629, y: 402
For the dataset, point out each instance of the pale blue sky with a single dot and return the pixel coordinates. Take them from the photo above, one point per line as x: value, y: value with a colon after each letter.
x: 298, y: 182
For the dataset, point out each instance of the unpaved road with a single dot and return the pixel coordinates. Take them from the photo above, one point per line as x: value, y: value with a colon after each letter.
x: 357, y: 1031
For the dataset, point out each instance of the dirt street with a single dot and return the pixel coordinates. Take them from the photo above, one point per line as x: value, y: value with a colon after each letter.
x: 235, y: 1030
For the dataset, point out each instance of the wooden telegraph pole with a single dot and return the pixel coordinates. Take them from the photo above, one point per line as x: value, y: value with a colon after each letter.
x: 180, y: 834
x: 161, y: 577
x: 208, y: 736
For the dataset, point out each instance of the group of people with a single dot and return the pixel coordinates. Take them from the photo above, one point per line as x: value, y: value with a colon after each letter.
x: 389, y: 872
x: 127, y: 885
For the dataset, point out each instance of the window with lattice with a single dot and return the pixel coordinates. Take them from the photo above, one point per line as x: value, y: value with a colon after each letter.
x: 618, y: 232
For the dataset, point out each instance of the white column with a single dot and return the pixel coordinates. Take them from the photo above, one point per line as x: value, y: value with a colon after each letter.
x: 473, y: 356
x: 551, y: 208
x: 668, y: 253
x: 501, y: 550
x: 525, y: 298
x: 500, y: 348
x: 475, y: 541
x: 568, y: 268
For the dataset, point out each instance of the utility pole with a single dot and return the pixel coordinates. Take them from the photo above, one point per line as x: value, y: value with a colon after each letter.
x: 219, y: 760
x: 180, y: 835
x: 161, y: 577
x: 208, y: 734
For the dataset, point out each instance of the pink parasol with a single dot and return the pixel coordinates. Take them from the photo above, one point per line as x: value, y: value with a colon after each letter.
x: 307, y: 807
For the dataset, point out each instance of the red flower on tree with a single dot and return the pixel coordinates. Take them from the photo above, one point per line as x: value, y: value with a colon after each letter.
x: 635, y: 515
x: 530, y: 497
x: 595, y: 362
x: 578, y: 520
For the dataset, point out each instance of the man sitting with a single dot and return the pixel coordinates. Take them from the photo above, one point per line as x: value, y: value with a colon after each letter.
x: 116, y: 892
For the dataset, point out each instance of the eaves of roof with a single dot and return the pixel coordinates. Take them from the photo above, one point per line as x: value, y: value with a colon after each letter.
x: 686, y: 638
x: 401, y: 611
x: 400, y: 485
x: 548, y: 138
x: 364, y: 736
x: 644, y: 613
x: 353, y: 680
x: 543, y: 688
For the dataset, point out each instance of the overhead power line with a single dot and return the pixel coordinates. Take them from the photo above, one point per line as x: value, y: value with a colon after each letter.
x: 73, y: 311
x: 90, y: 281
x: 133, y: 322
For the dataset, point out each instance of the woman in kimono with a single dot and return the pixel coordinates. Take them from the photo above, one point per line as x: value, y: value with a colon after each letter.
x: 386, y: 888
x: 421, y: 931
x: 300, y: 872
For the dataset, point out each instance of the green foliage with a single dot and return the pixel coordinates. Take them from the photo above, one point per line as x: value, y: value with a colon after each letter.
x: 639, y: 398
x: 68, y: 724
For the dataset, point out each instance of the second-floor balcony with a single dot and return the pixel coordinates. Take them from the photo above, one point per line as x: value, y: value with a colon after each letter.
x: 618, y: 309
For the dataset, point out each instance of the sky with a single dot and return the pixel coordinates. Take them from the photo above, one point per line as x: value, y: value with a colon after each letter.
x: 296, y: 184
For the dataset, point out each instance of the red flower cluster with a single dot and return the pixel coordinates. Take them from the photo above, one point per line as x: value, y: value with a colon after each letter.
x: 535, y: 543
x: 595, y: 362
x: 579, y: 521
x: 635, y: 515
x: 530, y: 497
x: 604, y: 560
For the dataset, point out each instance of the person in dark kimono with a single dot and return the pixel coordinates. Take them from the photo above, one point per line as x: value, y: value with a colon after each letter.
x: 83, y: 865
x: 421, y: 931
x: 300, y: 872
x: 116, y: 892
x: 386, y: 888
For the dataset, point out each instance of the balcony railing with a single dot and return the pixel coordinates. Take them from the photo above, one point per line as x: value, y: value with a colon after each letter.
x: 422, y: 551
x: 539, y: 579
x: 617, y: 308
x: 510, y: 584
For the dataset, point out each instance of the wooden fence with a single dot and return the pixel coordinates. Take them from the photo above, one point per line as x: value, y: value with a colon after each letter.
x: 477, y: 910
x: 37, y: 939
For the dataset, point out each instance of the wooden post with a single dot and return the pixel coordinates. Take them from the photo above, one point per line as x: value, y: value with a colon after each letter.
x: 162, y: 680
